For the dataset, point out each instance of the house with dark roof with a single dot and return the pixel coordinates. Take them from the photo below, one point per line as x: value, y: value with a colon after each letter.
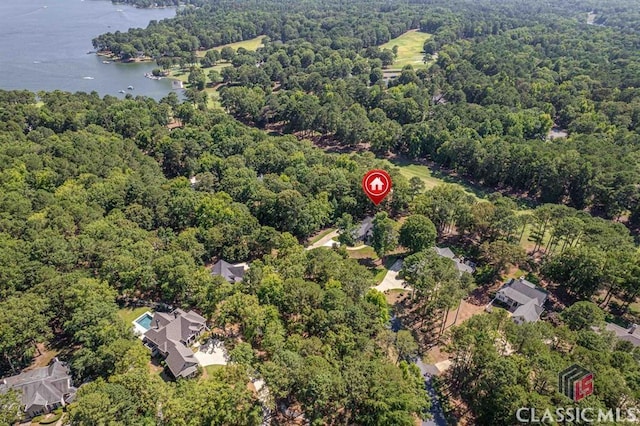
x: 170, y: 336
x: 365, y: 230
x: 230, y: 272
x: 461, y: 264
x: 43, y: 389
x: 523, y: 299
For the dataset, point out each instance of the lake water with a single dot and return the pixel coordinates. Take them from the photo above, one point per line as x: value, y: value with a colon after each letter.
x: 44, y: 45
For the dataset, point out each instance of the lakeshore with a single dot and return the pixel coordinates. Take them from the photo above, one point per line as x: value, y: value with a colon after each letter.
x: 45, y: 46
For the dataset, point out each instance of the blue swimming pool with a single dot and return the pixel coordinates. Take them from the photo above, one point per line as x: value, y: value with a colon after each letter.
x: 144, y: 321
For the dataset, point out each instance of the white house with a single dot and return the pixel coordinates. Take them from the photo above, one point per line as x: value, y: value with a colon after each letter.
x: 523, y: 299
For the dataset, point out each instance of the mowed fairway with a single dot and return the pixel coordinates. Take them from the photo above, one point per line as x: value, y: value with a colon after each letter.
x: 251, y: 44
x: 424, y: 173
x: 409, y: 49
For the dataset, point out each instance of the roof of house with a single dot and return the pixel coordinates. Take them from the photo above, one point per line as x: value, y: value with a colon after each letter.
x: 522, y: 291
x: 365, y: 226
x: 181, y: 361
x: 461, y: 266
x: 528, y: 297
x: 230, y: 272
x: 529, y: 312
x: 41, y: 386
x: 464, y: 267
x: 170, y: 332
x: 628, y: 334
x: 445, y: 252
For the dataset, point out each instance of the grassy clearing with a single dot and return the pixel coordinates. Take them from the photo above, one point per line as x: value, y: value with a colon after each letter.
x: 365, y: 252
x: 210, y: 371
x: 128, y: 314
x: 251, y: 44
x: 409, y: 170
x: 409, y: 49
x: 422, y: 172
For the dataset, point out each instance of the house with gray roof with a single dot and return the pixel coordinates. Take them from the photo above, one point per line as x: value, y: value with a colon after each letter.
x: 461, y: 264
x: 365, y: 230
x: 43, y: 389
x: 170, y: 336
x: 523, y: 299
x: 230, y: 272
x: 631, y: 334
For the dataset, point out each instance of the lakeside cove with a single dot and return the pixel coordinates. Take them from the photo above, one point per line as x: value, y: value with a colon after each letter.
x: 47, y: 46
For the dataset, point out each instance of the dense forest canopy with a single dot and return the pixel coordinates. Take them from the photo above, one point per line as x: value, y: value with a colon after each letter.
x: 89, y: 215
x: 500, y: 75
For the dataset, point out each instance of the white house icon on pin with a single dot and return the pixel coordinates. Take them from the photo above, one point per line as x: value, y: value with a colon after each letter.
x: 376, y: 185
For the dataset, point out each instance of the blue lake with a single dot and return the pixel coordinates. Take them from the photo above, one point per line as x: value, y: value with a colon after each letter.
x: 44, y: 45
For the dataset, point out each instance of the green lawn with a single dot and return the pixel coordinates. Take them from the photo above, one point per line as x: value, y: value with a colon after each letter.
x: 365, y: 252
x: 251, y: 44
x: 128, y: 314
x: 409, y: 49
x: 423, y: 172
x: 211, y: 369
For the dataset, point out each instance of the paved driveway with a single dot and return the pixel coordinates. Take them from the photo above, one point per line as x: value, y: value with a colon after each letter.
x: 325, y: 241
x: 211, y: 354
x: 437, y: 416
x: 391, y: 280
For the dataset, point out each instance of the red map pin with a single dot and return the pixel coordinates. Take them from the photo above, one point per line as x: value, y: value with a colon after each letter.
x: 376, y: 184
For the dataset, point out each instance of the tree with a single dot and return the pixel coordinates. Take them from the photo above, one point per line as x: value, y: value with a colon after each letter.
x: 10, y: 407
x: 416, y: 186
x: 583, y: 315
x: 417, y: 233
x: 210, y: 58
x: 406, y: 346
x: 197, y: 78
x: 384, y: 236
x: 214, y: 77
x: 23, y: 323
x: 243, y: 102
x: 445, y: 205
x: 347, y: 230
x: 377, y: 298
x: 499, y: 253
x: 581, y: 270
x: 227, y: 53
